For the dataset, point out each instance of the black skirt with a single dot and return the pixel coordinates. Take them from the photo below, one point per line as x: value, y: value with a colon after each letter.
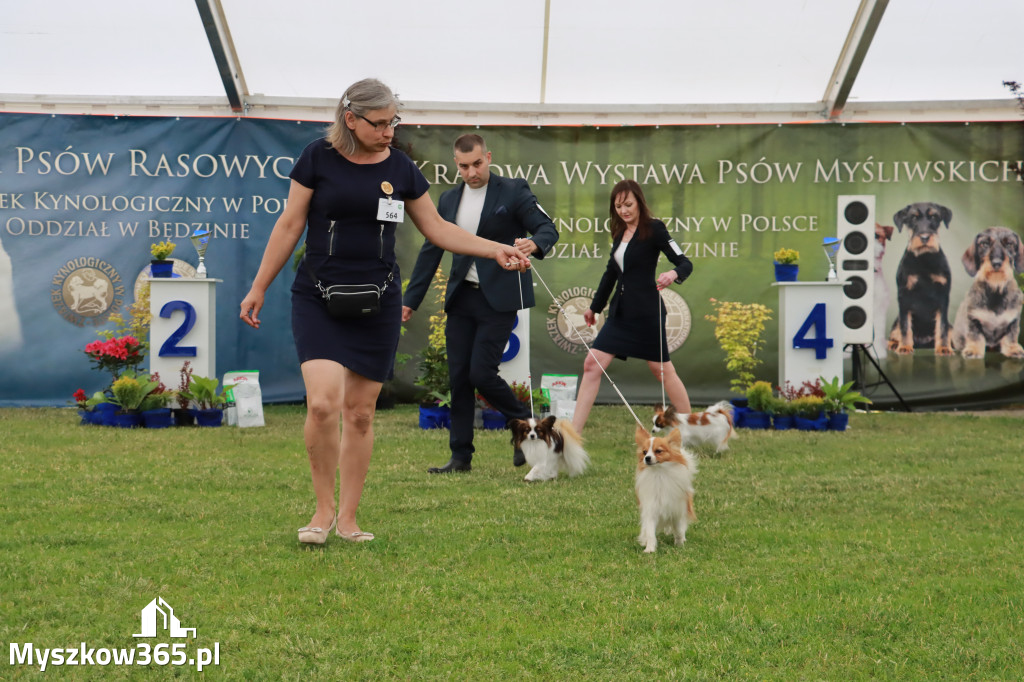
x: 634, y: 337
x: 365, y: 345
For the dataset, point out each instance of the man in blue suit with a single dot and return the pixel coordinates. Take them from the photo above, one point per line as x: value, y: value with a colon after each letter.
x: 482, y: 300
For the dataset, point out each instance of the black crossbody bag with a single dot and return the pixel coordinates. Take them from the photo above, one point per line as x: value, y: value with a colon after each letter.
x: 350, y: 300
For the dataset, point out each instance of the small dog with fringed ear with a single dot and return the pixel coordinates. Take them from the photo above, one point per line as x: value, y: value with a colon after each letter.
x: 551, y: 446
x: 664, y: 487
x: 713, y: 426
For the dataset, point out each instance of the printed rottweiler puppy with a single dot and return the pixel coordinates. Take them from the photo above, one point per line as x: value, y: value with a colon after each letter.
x: 989, y: 316
x: 922, y: 282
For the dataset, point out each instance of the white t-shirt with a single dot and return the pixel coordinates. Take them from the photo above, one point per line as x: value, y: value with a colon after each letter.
x: 468, y: 218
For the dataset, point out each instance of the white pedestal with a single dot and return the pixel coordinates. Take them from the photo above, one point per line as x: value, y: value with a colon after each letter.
x: 810, y: 331
x: 515, y: 362
x: 182, y: 327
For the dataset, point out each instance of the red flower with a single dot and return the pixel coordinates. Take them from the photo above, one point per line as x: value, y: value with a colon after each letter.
x: 80, y: 396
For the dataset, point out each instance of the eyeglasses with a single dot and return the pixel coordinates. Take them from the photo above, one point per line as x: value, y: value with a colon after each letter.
x: 380, y: 126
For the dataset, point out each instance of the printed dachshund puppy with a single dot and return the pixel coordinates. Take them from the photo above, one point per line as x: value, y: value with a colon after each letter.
x: 989, y: 316
x: 922, y: 282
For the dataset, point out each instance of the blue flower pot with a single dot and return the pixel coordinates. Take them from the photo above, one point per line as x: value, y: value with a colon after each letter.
x: 757, y: 420
x: 838, y: 421
x: 820, y: 423
x: 127, y: 420
x: 739, y: 412
x: 782, y: 422
x: 161, y: 268
x: 493, y: 420
x: 103, y: 414
x: 434, y: 417
x: 157, y: 419
x: 213, y: 417
x: 786, y: 272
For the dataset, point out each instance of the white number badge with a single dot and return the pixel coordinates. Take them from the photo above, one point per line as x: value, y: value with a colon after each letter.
x: 391, y: 211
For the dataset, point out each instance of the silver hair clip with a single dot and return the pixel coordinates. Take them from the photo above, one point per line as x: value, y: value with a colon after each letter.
x: 345, y: 101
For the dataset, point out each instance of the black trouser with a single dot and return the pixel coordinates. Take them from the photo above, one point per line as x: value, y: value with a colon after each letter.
x: 476, y: 338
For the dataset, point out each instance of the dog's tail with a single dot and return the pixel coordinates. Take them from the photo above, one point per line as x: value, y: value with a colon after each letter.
x: 576, y: 458
x: 725, y: 409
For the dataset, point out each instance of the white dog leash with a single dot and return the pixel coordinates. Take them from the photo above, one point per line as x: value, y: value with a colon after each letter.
x: 589, y: 351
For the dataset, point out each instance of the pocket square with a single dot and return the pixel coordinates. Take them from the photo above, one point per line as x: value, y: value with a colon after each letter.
x: 501, y: 209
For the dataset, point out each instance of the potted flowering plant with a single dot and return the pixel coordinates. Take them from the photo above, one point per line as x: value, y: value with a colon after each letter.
x: 129, y: 393
x: 433, y: 377
x: 739, y: 328
x: 154, y: 408
x: 93, y: 409
x: 116, y: 354
x: 840, y: 400
x: 209, y: 402
x: 160, y: 266
x: 786, y: 264
x: 524, y: 395
x: 183, y: 416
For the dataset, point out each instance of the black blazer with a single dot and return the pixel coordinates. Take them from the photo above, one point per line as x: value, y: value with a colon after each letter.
x: 636, y: 289
x: 510, y: 211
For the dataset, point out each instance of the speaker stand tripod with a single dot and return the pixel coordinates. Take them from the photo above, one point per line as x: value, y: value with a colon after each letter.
x: 856, y: 351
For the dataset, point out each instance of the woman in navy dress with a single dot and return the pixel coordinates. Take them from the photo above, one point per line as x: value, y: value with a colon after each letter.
x: 337, y: 188
x: 635, y: 324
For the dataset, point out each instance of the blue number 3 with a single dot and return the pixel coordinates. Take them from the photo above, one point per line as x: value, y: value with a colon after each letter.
x: 820, y: 343
x: 170, y: 347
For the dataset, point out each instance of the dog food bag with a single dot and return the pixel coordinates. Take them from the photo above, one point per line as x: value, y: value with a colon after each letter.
x: 560, y: 389
x: 245, y: 399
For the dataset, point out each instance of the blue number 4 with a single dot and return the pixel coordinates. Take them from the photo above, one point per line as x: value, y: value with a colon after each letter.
x: 820, y: 343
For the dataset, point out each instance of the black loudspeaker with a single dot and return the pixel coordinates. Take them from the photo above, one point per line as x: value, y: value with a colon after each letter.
x: 855, y: 223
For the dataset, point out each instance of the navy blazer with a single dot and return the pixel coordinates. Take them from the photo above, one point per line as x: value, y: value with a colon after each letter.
x: 636, y: 289
x: 510, y: 211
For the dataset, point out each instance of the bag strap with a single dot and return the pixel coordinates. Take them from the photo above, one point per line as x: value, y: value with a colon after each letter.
x: 323, y: 291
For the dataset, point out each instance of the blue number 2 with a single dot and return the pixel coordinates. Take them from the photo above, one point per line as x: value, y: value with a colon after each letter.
x: 170, y: 347
x: 820, y: 343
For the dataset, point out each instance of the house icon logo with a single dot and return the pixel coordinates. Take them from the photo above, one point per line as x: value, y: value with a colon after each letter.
x: 158, y: 611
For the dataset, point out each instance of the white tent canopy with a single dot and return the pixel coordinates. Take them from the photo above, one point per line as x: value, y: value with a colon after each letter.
x: 532, y: 61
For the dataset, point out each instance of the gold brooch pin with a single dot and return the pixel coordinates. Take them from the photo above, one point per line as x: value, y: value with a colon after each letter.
x: 387, y: 188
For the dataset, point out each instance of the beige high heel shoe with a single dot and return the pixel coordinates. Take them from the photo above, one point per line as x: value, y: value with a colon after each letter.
x: 316, y: 535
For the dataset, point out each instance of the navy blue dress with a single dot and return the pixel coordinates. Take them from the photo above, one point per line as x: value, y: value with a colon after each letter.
x: 358, y: 249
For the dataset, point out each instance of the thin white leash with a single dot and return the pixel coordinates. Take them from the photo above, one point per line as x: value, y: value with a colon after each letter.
x: 661, y: 353
x: 529, y: 377
x: 533, y: 266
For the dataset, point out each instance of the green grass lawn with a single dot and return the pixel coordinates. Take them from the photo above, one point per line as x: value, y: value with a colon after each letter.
x: 892, y: 551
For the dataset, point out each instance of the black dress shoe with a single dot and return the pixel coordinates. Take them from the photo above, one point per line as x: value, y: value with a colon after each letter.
x: 518, y: 458
x: 452, y: 465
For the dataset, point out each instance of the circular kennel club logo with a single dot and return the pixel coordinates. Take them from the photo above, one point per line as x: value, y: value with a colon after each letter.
x: 566, y: 326
x: 86, y: 291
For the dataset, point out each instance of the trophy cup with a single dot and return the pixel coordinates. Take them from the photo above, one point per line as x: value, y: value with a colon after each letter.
x: 200, y: 238
x: 831, y: 246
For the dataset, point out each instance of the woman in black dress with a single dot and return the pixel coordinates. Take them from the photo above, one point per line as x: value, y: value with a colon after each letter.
x: 346, y: 188
x: 632, y: 328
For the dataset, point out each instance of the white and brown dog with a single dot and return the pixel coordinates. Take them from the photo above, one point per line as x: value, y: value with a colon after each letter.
x: 664, y: 487
x: 550, y: 446
x: 989, y: 316
x: 713, y: 426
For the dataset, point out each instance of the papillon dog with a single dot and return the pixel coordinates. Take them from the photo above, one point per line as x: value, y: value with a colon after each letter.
x: 664, y: 487
x: 550, y: 446
x: 713, y: 425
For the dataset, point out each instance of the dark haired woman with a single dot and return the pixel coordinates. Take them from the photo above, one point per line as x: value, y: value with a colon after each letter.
x: 632, y: 328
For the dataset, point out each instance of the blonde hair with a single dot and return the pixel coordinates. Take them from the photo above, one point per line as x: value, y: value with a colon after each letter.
x: 361, y: 97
